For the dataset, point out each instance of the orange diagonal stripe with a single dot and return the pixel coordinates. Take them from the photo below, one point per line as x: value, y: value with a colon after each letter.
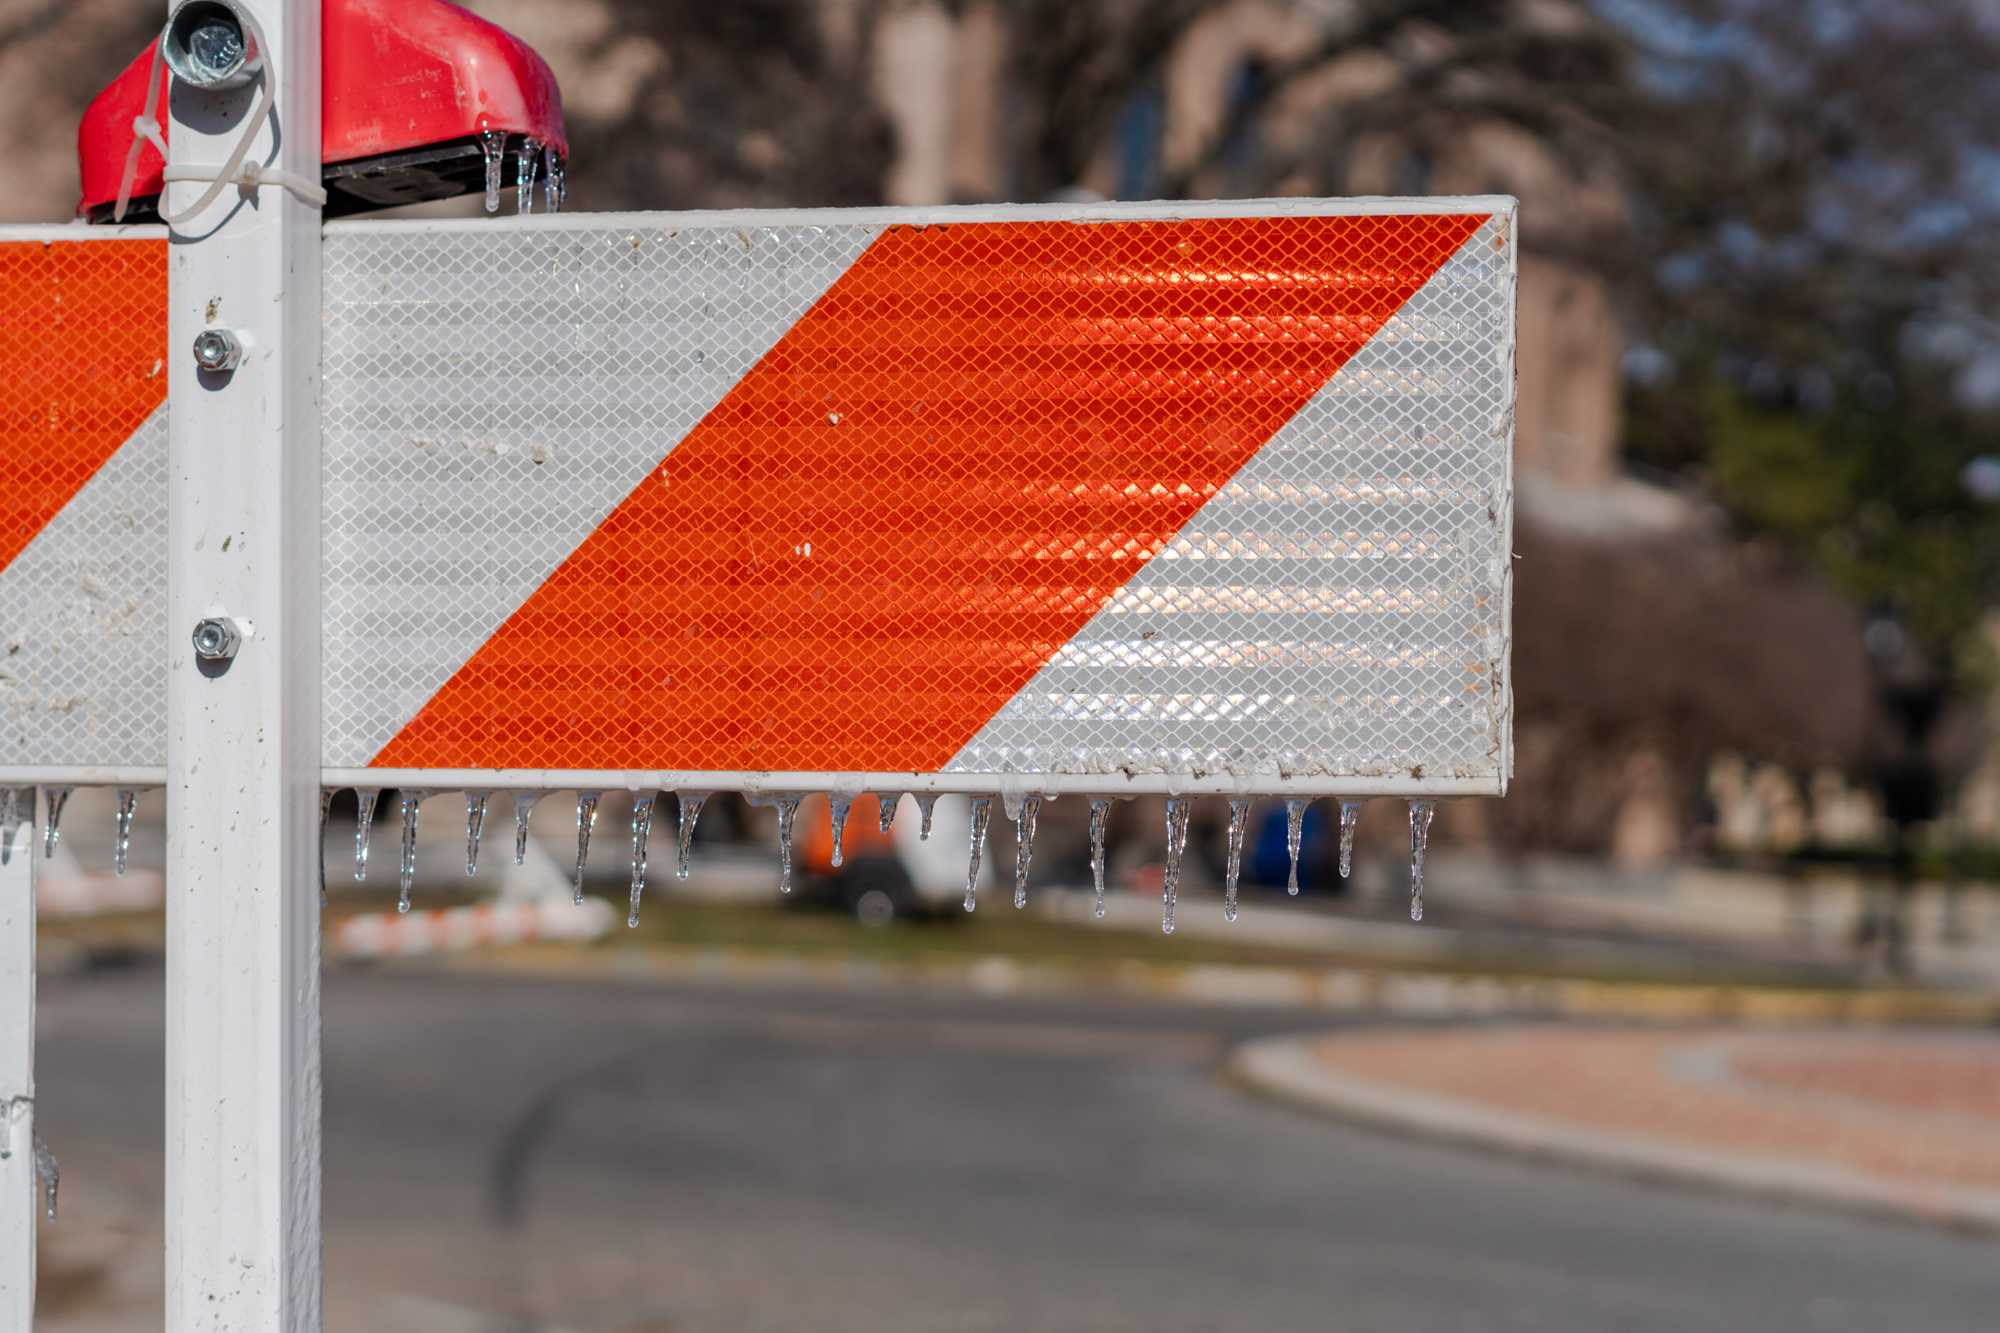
x: 83, y: 344
x: 938, y: 475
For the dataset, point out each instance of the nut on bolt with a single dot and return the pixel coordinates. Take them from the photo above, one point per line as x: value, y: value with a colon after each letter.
x: 217, y: 350
x: 217, y: 639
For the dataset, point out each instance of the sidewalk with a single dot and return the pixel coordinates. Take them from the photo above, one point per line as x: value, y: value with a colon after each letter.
x: 1902, y: 1124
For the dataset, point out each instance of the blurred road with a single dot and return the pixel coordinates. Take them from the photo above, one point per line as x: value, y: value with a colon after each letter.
x: 612, y: 1157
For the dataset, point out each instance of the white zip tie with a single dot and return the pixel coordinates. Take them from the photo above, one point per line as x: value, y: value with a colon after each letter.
x: 248, y: 176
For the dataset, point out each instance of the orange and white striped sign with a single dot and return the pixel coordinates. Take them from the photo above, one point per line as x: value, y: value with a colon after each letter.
x: 83, y: 511
x: 1158, y: 497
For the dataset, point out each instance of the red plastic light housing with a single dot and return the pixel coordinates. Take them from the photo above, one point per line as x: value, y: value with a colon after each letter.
x: 408, y: 89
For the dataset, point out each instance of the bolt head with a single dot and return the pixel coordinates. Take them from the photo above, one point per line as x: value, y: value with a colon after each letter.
x: 217, y: 639
x: 211, y: 44
x: 217, y: 350
x: 215, y: 46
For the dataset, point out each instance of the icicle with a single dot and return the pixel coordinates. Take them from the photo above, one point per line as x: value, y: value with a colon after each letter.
x: 1024, y: 845
x: 1170, y: 877
x: 406, y: 863
x: 982, y: 815
x: 13, y: 1111
x: 364, y: 820
x: 10, y: 819
x: 1295, y: 820
x: 493, y: 143
x: 128, y: 802
x: 836, y: 813
x: 1420, y: 841
x: 524, y: 805
x: 56, y: 798
x: 888, y: 801
x: 1239, y: 815
x: 1100, y: 815
x: 1350, y: 815
x: 475, y: 824
x: 527, y: 164
x: 50, y: 1174
x: 642, y: 836
x: 788, y: 814
x: 691, y: 803
x: 926, y: 803
x: 325, y: 804
x: 586, y: 820
x: 558, y: 180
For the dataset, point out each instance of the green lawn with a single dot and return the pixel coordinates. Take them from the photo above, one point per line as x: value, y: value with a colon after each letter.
x: 996, y: 930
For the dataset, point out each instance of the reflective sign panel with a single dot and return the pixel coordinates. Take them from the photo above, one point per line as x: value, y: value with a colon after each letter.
x: 1128, y: 498
x: 83, y: 553
x: 1195, y: 498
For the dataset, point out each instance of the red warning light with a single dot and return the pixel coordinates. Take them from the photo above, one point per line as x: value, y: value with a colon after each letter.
x: 416, y: 95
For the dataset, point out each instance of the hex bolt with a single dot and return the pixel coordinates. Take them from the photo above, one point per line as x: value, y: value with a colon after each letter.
x: 217, y: 350
x: 217, y: 639
x: 212, y: 44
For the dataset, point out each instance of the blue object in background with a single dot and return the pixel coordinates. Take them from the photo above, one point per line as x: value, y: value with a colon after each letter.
x: 1270, y: 864
x: 1141, y: 122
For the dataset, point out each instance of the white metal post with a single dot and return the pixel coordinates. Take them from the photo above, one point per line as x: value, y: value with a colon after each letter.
x: 18, y: 1197
x: 242, y: 1012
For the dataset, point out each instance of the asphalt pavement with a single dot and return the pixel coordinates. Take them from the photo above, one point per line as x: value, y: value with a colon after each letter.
x: 506, y: 1154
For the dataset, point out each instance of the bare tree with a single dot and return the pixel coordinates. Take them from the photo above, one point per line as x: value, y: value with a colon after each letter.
x: 757, y: 105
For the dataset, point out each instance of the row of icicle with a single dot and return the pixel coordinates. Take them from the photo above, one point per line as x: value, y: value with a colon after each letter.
x: 1025, y: 810
x: 528, y: 163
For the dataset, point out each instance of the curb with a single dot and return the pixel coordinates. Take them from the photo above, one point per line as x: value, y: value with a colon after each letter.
x: 1285, y: 1069
x: 1345, y: 990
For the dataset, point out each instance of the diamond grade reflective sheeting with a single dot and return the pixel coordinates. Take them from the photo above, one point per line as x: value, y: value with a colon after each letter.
x: 83, y: 553
x: 1217, y: 497
x: 1214, y: 497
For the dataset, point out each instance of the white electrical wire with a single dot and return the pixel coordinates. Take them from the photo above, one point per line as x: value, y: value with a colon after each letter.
x: 246, y: 175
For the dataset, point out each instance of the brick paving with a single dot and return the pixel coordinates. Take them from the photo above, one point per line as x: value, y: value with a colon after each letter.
x: 1916, y: 1109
